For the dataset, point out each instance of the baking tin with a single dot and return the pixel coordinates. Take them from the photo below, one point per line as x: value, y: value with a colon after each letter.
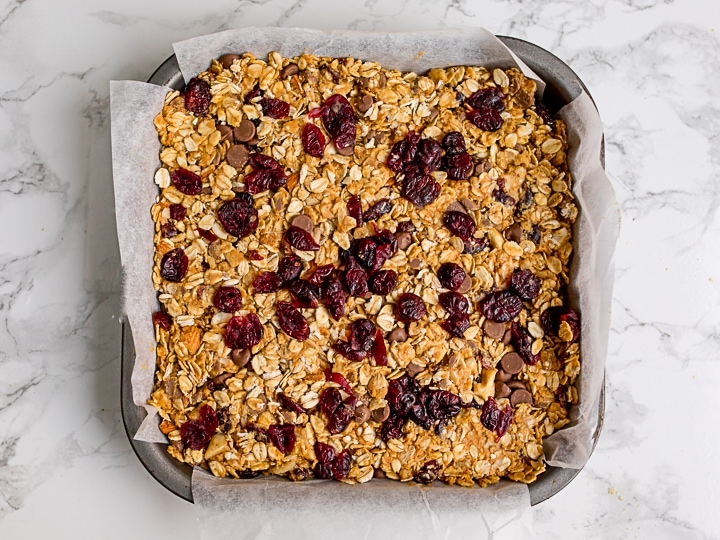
x: 563, y: 85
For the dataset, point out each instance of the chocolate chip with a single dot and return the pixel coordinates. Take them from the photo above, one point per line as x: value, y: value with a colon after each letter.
x: 289, y: 71
x: 520, y: 396
x: 413, y: 369
x: 245, y: 131
x: 227, y: 60
x: 380, y: 415
x: 456, y: 206
x: 377, y: 473
x: 494, y: 329
x: 466, y: 285
x: 404, y: 240
x: 241, y: 357
x: 347, y: 151
x: 433, y: 114
x: 304, y: 222
x: 362, y: 82
x: 469, y: 204
x: 220, y: 379
x: 415, y: 263
x: 398, y: 334
x: 502, y: 390
x: 512, y: 363
x: 514, y: 232
x: 237, y: 156
x: 207, y: 190
x: 516, y: 384
x: 362, y: 414
x: 225, y: 132
x: 507, y: 338
x: 363, y: 104
x: 502, y: 376
x: 253, y: 142
x: 383, y: 80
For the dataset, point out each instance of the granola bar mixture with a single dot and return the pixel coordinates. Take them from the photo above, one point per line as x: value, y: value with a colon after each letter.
x: 362, y: 272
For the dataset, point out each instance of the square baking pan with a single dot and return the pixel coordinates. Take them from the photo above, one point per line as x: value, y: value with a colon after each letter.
x: 562, y: 86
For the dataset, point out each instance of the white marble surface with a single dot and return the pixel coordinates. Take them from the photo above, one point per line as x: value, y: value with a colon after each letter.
x: 653, y: 67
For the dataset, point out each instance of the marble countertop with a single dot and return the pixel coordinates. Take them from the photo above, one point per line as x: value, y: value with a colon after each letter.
x: 653, y: 67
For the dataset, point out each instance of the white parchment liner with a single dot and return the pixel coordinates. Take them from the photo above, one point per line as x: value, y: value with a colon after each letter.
x: 269, y: 507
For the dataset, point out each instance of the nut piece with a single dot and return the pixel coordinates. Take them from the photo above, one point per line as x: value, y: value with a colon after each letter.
x: 512, y: 363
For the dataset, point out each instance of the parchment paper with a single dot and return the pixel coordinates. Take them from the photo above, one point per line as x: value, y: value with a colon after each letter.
x: 269, y: 507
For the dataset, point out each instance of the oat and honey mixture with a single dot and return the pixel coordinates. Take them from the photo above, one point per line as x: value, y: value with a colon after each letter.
x: 361, y: 272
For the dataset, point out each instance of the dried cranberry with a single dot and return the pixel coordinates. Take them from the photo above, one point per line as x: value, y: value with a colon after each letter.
x: 454, y: 143
x: 523, y: 342
x: 292, y: 321
x: 451, y: 276
x: 340, y: 419
x: 544, y: 113
x: 458, y: 166
x: 196, y: 434
x: 289, y: 268
x: 162, y: 319
x: 504, y: 421
x: 429, y: 472
x: 384, y: 237
x: 502, y: 197
x: 252, y: 94
x: 410, y: 307
x: 207, y: 235
x: 475, y: 245
x: 383, y: 282
x: 174, y: 265
x: 323, y: 471
x: 346, y: 350
x: 275, y: 108
x: 379, y: 351
x: 313, y: 140
x: 402, y: 395
x: 197, y: 96
x: 485, y: 118
x: 321, y: 274
x: 289, y: 403
x: 329, y: 400
x: 429, y: 155
x: 454, y: 303
x: 324, y: 453
x: 283, y: 437
x: 268, y: 282
x: 227, y: 299
x: 393, y: 427
x: 490, y: 414
x: 300, y: 239
x: 456, y: 325
x: 244, y: 332
x: 362, y: 334
x: 365, y: 252
x: 169, y: 230
x: 380, y: 208
x: 501, y: 306
x: 333, y: 296
x: 355, y: 279
x: 186, y: 182
x: 177, y: 212
x: 491, y: 97
x: 460, y: 224
x: 420, y: 189
x: 553, y: 317
x: 339, y: 378
x: 535, y: 235
x: 266, y: 174
x: 248, y: 474
x: 238, y: 218
x: 341, y: 465
x: 355, y: 209
x: 525, y: 284
x: 306, y: 293
x: 339, y: 120
x: 403, y: 152
x: 441, y: 404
